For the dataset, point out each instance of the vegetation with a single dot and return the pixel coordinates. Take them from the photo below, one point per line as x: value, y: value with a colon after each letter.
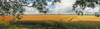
x: 84, y: 4
x: 50, y: 25
x: 15, y: 7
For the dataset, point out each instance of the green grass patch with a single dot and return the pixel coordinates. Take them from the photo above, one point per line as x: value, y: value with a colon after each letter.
x: 50, y: 25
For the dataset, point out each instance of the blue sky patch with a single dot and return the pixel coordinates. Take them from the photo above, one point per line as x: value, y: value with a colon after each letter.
x: 51, y: 7
x: 48, y: 0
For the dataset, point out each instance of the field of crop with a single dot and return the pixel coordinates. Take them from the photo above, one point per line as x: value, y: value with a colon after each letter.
x: 65, y: 18
x: 40, y: 18
x: 51, y: 22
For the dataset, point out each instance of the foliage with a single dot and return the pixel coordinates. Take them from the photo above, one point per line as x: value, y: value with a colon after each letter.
x: 56, y: 25
x: 15, y: 7
x: 85, y: 3
x: 41, y: 5
x: 50, y: 25
x: 11, y: 8
x: 4, y: 26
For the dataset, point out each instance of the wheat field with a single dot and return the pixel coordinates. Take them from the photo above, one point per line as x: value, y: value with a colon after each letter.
x: 65, y: 18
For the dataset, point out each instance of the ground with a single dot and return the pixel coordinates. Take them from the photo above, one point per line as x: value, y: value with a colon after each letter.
x: 51, y: 22
x: 65, y: 18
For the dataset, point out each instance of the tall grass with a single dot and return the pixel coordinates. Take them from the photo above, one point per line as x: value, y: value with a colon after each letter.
x: 51, y: 25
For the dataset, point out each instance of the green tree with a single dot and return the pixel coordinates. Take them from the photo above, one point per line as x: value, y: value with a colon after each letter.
x: 15, y: 7
x: 41, y: 5
x: 85, y: 3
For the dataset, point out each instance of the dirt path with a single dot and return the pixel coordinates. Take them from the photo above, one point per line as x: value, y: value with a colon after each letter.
x: 72, y: 19
x: 69, y: 19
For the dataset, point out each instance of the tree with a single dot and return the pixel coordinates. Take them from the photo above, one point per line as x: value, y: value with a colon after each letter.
x: 41, y: 5
x: 15, y: 7
x: 11, y: 8
x: 85, y: 3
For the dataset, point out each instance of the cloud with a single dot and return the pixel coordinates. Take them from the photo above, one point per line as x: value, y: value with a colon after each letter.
x: 30, y: 10
x: 49, y: 3
x: 30, y: 4
x: 65, y: 7
x: 91, y: 11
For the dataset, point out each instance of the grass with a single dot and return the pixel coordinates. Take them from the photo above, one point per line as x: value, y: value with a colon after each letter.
x: 4, y: 26
x: 50, y: 25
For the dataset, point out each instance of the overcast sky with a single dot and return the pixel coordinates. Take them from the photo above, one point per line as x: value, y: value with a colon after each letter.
x: 65, y: 7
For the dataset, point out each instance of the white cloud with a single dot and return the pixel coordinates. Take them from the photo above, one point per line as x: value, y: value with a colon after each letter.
x: 30, y: 4
x: 49, y: 3
x: 65, y: 7
x: 91, y: 11
x: 30, y: 10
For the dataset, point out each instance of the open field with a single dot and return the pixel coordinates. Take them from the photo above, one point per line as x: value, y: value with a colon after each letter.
x: 65, y: 18
x: 51, y: 22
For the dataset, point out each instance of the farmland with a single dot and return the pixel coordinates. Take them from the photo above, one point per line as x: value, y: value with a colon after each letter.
x: 65, y: 18
x: 51, y: 22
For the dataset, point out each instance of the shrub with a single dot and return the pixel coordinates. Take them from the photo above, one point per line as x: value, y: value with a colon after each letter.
x: 55, y: 25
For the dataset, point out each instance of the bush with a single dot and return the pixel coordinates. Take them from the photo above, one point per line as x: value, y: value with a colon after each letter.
x: 55, y: 25
x: 2, y: 24
x: 41, y: 23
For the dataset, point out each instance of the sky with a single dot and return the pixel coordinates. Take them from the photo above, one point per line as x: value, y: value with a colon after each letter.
x: 65, y: 7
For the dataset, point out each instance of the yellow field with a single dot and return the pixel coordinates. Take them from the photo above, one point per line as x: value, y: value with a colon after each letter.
x: 65, y: 18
